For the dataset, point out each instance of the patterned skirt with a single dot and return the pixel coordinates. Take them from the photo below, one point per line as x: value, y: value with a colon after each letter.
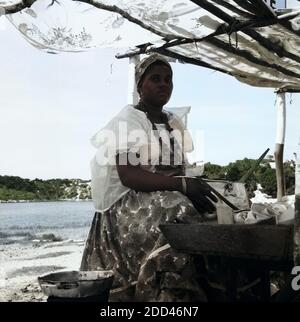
x: 126, y: 239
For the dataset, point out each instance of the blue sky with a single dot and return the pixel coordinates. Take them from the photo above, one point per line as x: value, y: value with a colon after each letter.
x: 50, y: 106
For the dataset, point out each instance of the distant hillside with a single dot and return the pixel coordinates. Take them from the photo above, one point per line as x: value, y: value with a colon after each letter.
x: 16, y: 188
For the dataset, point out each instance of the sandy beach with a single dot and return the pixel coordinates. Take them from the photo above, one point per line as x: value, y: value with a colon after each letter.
x: 21, y: 265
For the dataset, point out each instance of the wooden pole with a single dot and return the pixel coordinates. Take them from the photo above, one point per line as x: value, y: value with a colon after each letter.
x: 297, y: 231
x: 297, y: 170
x: 132, y: 91
x: 279, y: 147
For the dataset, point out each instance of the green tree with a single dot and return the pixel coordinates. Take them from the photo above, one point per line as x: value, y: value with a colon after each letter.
x: 213, y: 171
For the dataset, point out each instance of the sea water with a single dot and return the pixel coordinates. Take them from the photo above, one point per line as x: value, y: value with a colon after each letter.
x: 23, y: 223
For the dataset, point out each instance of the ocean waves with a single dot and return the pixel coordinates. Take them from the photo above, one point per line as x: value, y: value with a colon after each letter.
x: 35, y: 223
x: 47, y: 227
x: 27, y: 237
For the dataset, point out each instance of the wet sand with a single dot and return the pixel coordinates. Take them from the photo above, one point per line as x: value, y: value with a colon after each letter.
x: 20, y: 266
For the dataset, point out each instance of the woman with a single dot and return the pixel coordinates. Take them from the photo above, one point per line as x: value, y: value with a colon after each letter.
x: 138, y: 183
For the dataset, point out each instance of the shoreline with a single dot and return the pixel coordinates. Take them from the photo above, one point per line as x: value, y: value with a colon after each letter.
x: 38, y: 238
x: 52, y: 200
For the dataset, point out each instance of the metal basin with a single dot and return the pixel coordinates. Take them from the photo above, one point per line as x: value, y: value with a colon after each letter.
x: 76, y: 284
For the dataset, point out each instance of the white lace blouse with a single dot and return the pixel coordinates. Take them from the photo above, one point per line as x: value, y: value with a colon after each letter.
x: 129, y: 131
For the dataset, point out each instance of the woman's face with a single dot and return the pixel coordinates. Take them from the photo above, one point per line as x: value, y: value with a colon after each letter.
x: 157, y: 85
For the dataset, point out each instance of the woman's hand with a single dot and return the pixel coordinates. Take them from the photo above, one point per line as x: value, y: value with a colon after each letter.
x: 200, y: 195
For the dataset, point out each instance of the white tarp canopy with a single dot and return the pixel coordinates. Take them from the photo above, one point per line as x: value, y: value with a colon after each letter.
x: 245, y: 39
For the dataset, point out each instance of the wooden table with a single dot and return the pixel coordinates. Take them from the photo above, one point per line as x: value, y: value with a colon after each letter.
x: 263, y: 247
